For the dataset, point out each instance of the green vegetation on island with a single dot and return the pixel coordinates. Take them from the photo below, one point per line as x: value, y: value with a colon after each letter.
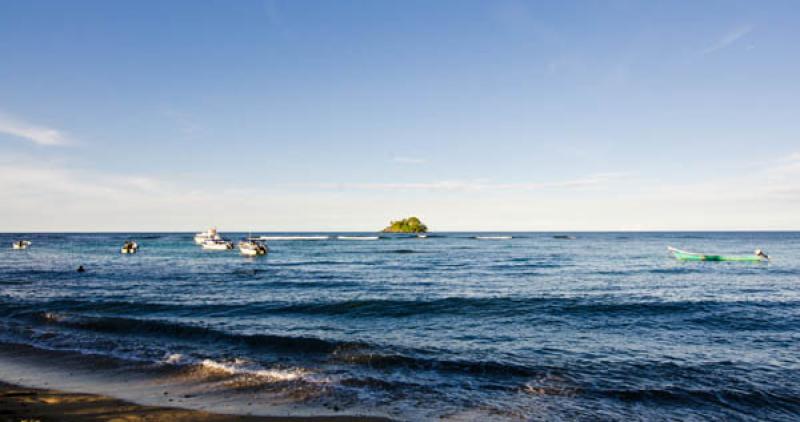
x: 406, y: 225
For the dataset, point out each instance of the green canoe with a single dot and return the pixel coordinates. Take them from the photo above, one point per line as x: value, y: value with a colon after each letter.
x: 691, y: 256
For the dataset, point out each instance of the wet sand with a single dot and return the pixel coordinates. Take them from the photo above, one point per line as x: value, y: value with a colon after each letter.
x: 22, y: 403
x: 44, y: 385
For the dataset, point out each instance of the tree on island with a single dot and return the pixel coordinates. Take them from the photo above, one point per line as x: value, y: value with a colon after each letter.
x: 406, y: 225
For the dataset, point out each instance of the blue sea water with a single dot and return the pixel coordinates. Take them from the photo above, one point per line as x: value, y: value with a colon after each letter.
x: 604, y: 326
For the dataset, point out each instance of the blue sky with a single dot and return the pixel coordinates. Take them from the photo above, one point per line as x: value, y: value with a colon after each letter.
x: 320, y: 115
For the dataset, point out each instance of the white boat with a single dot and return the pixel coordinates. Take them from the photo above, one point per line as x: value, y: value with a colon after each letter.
x: 129, y: 247
x: 217, y: 244
x: 357, y: 237
x: 211, y: 234
x: 252, y: 247
x: 493, y: 237
x: 422, y: 236
x: 294, y: 237
x: 21, y: 244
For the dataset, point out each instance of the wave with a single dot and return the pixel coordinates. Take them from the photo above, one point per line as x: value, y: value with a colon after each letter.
x: 403, y: 251
x: 388, y: 360
x: 753, y: 397
x: 236, y: 368
x: 281, y: 238
x: 675, y: 270
x: 174, y: 330
x: 338, y: 352
x: 358, y: 237
x: 691, y: 311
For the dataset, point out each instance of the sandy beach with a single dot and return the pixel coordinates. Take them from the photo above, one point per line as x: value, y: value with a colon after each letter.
x: 19, y: 403
x: 45, y: 385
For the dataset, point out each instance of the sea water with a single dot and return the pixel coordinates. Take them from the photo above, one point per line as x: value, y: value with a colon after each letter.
x: 603, y: 326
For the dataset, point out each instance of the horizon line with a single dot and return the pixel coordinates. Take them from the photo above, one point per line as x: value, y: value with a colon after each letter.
x: 429, y: 232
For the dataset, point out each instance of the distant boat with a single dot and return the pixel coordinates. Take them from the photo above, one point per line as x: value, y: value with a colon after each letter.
x: 758, y: 256
x: 129, y: 247
x: 357, y: 237
x: 251, y: 247
x: 564, y: 237
x: 494, y: 237
x: 21, y: 244
x: 211, y: 234
x: 294, y: 237
x: 422, y: 236
x: 217, y: 244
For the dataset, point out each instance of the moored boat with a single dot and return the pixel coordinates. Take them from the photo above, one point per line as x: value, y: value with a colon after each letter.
x: 252, y: 247
x: 21, y: 244
x: 758, y: 256
x: 211, y: 234
x: 129, y: 247
x: 218, y: 244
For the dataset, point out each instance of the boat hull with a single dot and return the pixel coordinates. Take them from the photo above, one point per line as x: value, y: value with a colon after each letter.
x: 253, y: 252
x: 218, y: 247
x: 691, y: 256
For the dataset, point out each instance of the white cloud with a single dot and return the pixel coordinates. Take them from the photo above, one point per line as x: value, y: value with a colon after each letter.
x: 37, y: 134
x: 52, y: 197
x: 728, y: 38
x: 475, y: 185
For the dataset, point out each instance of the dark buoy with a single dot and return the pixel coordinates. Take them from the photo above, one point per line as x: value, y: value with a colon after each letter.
x: 81, y: 269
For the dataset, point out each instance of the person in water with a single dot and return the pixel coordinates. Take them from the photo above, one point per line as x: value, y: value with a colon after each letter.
x: 761, y: 253
x: 81, y: 269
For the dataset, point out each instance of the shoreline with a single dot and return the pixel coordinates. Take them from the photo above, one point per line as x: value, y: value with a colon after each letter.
x: 47, y: 385
x: 25, y: 403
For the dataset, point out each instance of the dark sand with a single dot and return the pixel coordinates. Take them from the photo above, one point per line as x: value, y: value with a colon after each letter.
x: 30, y: 404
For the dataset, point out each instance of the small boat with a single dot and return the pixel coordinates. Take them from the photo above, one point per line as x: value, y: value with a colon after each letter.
x: 357, y: 237
x: 218, y: 244
x: 758, y: 256
x: 211, y: 233
x: 494, y: 237
x: 129, y: 247
x: 564, y: 237
x: 21, y: 244
x: 422, y: 236
x: 251, y: 247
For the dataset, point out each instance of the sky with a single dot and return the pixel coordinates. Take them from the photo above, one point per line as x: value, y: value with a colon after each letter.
x: 343, y: 115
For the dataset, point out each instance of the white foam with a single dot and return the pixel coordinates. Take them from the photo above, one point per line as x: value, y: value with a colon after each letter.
x: 272, y: 374
x: 357, y: 237
x: 294, y: 237
x: 53, y: 317
x: 173, y: 359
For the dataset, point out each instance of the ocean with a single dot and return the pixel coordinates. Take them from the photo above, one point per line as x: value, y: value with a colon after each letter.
x: 603, y: 326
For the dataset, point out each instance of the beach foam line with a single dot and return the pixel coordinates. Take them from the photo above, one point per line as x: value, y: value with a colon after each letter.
x: 494, y: 237
x: 271, y: 374
x: 358, y: 237
x: 294, y: 237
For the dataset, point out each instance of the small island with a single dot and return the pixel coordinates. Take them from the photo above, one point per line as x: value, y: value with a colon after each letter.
x: 406, y: 225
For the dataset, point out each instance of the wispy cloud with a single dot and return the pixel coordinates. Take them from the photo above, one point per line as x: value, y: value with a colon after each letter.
x: 477, y: 185
x: 728, y: 38
x: 37, y: 134
x: 409, y: 160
